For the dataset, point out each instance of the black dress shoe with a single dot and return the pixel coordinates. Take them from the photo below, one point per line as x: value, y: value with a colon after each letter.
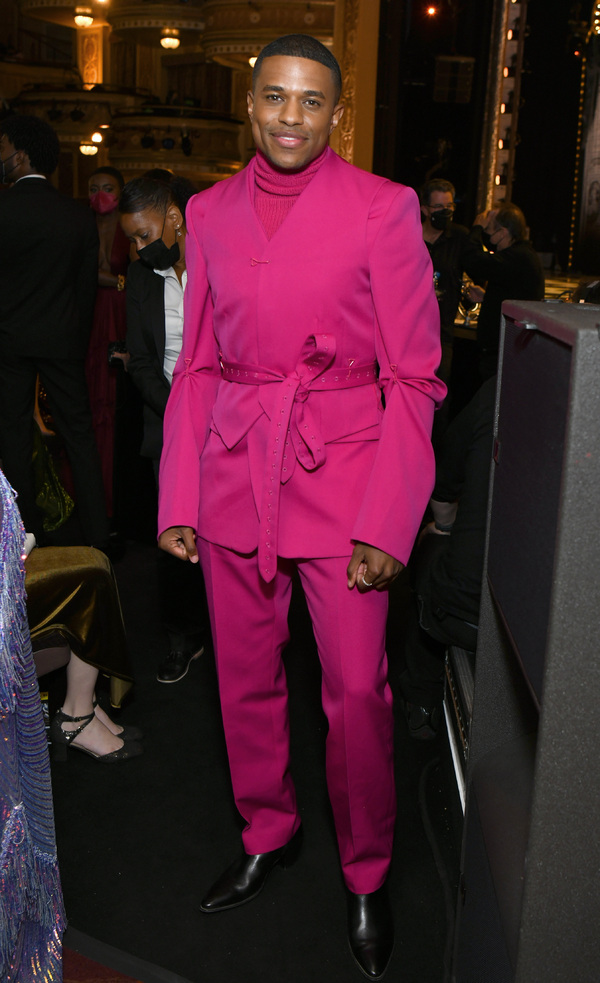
x: 371, y: 932
x: 176, y: 665
x: 247, y: 876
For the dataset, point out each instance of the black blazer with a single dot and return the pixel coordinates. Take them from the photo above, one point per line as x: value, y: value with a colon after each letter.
x: 48, y: 271
x: 146, y: 345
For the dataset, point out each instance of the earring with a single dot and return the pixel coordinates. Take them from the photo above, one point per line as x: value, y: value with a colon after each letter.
x: 178, y: 231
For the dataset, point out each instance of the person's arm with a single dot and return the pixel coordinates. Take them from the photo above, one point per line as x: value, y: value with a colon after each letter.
x: 108, y: 279
x: 407, y: 342
x: 484, y: 267
x: 143, y: 365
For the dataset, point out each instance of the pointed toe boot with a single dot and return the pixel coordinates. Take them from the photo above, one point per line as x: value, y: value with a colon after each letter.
x: 371, y: 932
x: 247, y: 875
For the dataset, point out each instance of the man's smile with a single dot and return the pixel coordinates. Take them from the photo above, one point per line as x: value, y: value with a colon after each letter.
x: 289, y: 139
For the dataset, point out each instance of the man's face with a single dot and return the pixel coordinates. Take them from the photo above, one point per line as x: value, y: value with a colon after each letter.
x: 293, y: 110
x: 438, y: 202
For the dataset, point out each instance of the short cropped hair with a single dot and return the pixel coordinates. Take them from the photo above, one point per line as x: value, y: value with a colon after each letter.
x: 147, y: 192
x: 301, y: 46
x: 437, y: 184
x: 37, y: 138
x: 113, y: 173
x: 511, y: 218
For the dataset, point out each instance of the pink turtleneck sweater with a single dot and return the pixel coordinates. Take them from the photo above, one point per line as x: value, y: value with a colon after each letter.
x: 276, y: 190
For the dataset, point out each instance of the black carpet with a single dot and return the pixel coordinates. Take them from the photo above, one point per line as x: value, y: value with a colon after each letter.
x: 138, y: 843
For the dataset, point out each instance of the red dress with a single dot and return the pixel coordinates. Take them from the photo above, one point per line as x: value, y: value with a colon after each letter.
x: 109, y: 324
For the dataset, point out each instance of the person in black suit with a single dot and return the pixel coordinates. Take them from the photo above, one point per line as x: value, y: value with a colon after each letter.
x: 48, y: 276
x: 152, y: 216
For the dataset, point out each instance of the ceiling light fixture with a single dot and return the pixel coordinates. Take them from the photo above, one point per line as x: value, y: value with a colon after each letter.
x: 170, y: 37
x: 83, y: 16
x: 88, y: 149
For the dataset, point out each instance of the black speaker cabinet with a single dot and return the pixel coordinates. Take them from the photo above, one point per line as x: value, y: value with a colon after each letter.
x: 529, y: 908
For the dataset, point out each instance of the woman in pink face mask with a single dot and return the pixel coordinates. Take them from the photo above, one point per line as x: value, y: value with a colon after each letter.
x: 109, y: 325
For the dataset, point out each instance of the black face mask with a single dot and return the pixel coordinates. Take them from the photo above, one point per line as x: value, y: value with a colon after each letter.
x: 157, y: 256
x: 441, y: 218
x: 3, y: 173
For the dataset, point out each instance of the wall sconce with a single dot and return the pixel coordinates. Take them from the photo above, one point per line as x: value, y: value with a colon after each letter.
x: 252, y: 61
x: 96, y: 137
x: 170, y: 37
x: 88, y: 149
x: 168, y: 143
x: 83, y: 16
x: 54, y: 114
x: 77, y: 114
x: 147, y: 141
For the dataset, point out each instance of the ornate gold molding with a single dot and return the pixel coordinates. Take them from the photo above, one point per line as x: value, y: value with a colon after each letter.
x: 347, y: 43
x: 234, y: 31
x: 89, y: 55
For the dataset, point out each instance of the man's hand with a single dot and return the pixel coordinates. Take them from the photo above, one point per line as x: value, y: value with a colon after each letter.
x: 371, y: 569
x: 180, y: 541
x: 485, y: 217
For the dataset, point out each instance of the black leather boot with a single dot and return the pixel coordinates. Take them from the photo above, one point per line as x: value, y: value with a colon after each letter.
x: 247, y: 875
x: 371, y: 932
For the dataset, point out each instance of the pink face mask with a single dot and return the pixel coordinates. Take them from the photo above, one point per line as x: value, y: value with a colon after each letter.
x: 103, y: 202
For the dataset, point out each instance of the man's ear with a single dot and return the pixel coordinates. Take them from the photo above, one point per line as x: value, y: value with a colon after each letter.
x: 250, y: 103
x: 338, y: 112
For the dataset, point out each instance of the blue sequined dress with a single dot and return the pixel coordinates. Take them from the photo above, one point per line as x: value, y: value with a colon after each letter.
x: 32, y: 916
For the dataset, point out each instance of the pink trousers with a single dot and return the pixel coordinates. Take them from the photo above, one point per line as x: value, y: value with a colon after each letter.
x: 250, y: 631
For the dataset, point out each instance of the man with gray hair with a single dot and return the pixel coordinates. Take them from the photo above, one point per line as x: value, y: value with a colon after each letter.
x: 511, y: 270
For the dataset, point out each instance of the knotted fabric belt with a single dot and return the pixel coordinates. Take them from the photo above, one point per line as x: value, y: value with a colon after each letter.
x: 292, y: 420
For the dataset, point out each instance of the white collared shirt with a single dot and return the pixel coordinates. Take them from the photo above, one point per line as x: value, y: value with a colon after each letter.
x: 173, y: 318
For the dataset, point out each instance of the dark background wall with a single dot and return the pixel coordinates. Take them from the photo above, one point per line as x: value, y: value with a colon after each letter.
x: 417, y: 137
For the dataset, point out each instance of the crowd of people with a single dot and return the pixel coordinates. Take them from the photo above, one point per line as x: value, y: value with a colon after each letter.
x: 289, y: 428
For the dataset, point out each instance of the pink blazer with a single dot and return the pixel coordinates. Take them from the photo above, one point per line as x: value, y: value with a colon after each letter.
x: 275, y: 431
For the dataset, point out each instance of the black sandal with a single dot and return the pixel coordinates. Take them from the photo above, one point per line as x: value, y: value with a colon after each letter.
x: 129, y: 732
x: 62, y: 739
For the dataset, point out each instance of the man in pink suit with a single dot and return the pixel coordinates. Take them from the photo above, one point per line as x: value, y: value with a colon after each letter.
x: 309, y: 308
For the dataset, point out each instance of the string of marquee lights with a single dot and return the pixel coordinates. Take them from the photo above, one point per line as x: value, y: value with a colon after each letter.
x: 594, y: 30
x: 577, y: 175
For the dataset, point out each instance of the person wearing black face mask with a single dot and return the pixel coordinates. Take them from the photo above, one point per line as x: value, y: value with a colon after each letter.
x: 152, y: 216
x: 451, y: 252
x: 510, y: 269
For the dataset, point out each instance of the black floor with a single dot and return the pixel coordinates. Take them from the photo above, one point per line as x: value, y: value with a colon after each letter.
x: 138, y: 843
